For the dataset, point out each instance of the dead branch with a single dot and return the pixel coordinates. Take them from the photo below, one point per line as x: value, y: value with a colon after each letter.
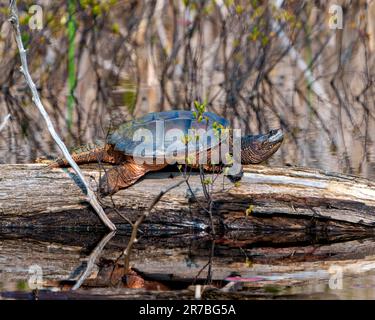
x: 92, y: 258
x: 91, y: 197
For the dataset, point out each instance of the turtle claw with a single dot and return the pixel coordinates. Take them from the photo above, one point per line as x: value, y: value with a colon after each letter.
x: 235, y: 177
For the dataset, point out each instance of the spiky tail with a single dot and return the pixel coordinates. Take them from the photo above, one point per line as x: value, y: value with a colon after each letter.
x: 89, y: 153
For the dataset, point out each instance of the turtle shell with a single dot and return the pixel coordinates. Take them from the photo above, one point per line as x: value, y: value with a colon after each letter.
x: 157, y: 134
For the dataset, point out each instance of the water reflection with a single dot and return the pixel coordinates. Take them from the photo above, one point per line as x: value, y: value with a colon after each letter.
x: 235, y: 265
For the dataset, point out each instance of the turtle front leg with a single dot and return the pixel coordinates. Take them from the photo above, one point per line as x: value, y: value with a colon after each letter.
x: 120, y: 177
x: 123, y: 176
x: 235, y: 177
x: 234, y: 172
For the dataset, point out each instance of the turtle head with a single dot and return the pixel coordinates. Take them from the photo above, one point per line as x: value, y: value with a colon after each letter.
x: 258, y: 148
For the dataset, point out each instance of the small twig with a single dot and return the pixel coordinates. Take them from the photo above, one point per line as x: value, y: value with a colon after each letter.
x: 208, y: 197
x: 205, y: 191
x: 133, y: 237
x: 211, y: 217
x: 91, y: 197
x: 208, y: 264
x: 92, y: 258
x: 209, y: 271
x: 202, y: 177
x: 5, y: 122
x: 186, y: 177
x: 120, y: 214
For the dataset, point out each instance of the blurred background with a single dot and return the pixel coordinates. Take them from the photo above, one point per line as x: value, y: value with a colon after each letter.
x: 261, y: 64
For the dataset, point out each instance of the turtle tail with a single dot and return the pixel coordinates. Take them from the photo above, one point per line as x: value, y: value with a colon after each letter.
x: 89, y: 153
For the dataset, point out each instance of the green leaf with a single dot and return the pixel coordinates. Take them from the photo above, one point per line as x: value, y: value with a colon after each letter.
x: 228, y: 159
x: 249, y: 210
x: 265, y: 41
x: 239, y: 9
x: 248, y: 263
x: 207, y: 181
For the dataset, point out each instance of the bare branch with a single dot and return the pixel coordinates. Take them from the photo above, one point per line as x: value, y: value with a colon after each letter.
x: 91, y: 197
x: 92, y: 258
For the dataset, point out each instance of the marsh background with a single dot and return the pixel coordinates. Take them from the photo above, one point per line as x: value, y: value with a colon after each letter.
x: 262, y: 64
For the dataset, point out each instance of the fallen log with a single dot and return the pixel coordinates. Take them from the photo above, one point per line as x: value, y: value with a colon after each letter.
x: 33, y: 195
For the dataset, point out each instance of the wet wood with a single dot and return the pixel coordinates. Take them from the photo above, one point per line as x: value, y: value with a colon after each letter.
x: 267, y: 198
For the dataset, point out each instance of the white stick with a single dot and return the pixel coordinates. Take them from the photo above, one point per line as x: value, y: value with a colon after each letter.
x: 92, y: 258
x: 13, y: 18
x: 5, y: 122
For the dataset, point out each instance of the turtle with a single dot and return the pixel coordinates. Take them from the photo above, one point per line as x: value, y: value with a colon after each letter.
x: 142, y: 145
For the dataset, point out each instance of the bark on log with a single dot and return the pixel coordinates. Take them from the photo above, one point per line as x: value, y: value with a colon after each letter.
x: 33, y: 195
